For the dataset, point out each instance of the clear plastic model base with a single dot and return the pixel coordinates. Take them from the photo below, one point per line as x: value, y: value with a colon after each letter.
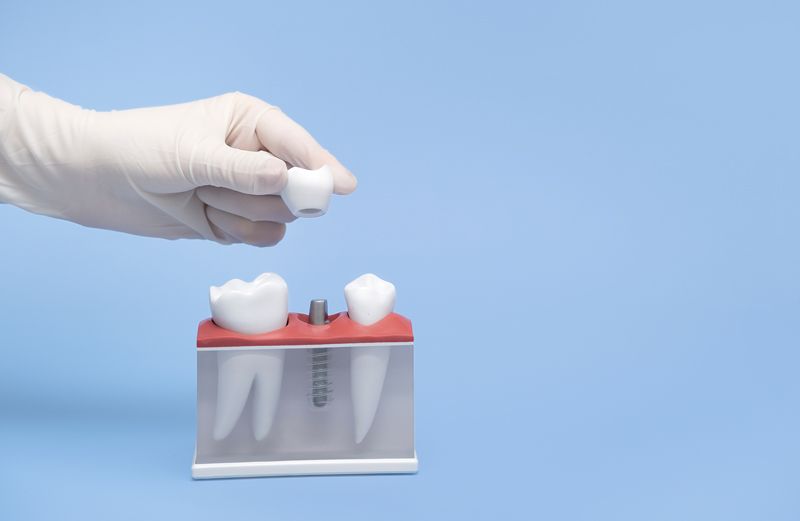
x: 306, y: 399
x: 254, y: 469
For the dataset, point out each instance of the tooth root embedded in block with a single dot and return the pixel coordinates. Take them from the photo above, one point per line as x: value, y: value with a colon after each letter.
x: 237, y: 372
x: 235, y: 376
x: 269, y: 377
x: 368, y: 371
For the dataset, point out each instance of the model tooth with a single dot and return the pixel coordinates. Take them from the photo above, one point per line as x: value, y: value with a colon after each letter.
x: 249, y: 308
x: 369, y: 300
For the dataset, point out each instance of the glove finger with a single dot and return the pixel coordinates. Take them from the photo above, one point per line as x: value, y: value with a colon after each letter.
x: 254, y: 233
x: 217, y: 164
x: 223, y: 237
x: 251, y: 207
x: 292, y: 143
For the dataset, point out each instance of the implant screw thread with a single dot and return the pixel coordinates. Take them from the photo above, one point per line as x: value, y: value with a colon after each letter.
x: 319, y: 361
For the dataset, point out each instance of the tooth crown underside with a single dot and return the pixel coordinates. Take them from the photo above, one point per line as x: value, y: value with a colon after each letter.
x: 308, y: 192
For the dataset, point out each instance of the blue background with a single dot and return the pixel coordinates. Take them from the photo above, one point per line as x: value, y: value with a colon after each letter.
x: 590, y: 213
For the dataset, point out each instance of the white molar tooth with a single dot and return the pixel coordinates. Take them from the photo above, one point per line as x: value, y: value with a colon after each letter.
x: 308, y: 192
x: 249, y: 308
x: 369, y: 300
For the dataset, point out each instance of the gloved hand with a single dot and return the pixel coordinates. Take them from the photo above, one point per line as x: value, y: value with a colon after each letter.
x: 204, y: 169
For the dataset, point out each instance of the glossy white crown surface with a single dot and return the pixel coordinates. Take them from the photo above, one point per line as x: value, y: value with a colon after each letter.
x: 251, y: 308
x: 369, y: 299
x: 308, y: 192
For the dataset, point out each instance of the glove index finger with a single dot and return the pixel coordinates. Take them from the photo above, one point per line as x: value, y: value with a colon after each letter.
x: 254, y: 173
x: 289, y: 141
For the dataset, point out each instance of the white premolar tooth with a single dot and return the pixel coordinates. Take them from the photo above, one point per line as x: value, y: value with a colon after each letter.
x: 369, y: 300
x: 249, y: 308
x: 308, y: 192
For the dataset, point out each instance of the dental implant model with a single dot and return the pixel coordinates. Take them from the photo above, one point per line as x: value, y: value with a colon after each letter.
x: 319, y: 361
x: 265, y: 402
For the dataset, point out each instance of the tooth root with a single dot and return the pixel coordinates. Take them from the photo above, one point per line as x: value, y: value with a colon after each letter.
x: 367, y: 373
x: 234, y: 378
x: 236, y: 374
x: 268, y: 390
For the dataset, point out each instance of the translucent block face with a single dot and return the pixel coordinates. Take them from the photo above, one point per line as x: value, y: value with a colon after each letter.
x: 298, y: 430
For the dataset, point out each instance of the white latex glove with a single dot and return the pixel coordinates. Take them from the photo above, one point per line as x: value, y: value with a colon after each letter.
x: 198, y: 170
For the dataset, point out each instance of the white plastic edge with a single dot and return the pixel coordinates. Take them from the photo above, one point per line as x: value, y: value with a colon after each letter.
x: 303, y: 467
x: 314, y: 346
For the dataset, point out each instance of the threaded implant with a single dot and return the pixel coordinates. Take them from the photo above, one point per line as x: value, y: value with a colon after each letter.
x: 319, y: 362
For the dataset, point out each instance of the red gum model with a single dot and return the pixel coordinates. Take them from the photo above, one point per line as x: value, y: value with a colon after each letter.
x: 340, y: 330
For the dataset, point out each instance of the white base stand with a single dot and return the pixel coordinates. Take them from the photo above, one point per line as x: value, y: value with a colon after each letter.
x: 303, y: 467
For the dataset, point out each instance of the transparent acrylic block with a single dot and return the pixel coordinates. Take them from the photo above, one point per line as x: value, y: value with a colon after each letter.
x: 307, y: 434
